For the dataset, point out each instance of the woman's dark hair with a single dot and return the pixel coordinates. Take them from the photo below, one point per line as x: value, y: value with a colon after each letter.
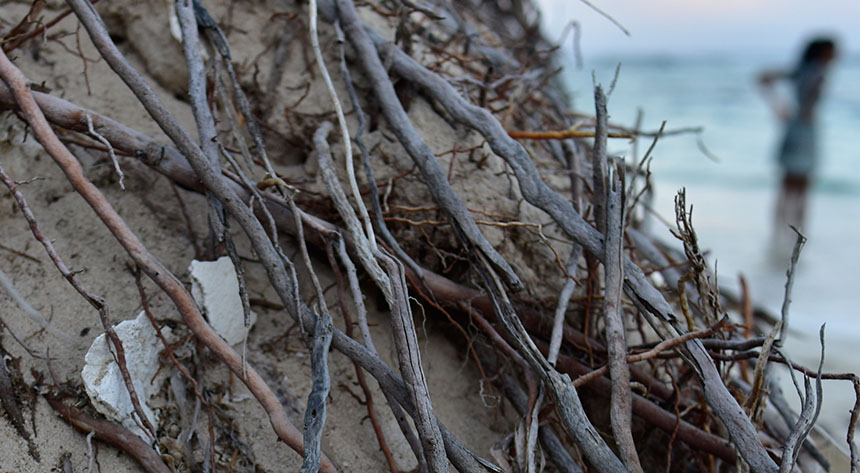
x: 817, y: 48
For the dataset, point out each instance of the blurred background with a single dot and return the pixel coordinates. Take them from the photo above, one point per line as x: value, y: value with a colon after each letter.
x: 696, y: 64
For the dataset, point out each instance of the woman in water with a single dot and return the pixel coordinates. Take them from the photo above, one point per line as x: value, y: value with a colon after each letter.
x: 798, y: 152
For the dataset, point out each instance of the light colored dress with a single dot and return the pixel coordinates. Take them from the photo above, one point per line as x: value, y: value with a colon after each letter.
x: 798, y: 153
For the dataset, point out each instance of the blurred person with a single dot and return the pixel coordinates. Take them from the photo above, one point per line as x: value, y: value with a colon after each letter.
x: 797, y: 154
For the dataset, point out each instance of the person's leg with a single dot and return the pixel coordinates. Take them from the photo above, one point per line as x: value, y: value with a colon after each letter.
x: 790, y: 211
x: 795, y: 188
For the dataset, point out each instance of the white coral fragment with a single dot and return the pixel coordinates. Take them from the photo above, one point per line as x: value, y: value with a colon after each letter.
x: 215, y: 288
x: 103, y: 380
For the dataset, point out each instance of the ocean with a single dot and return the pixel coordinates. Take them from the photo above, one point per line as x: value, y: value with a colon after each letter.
x: 733, y: 187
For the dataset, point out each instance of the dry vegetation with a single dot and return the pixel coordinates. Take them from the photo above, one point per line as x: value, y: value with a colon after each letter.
x: 449, y: 271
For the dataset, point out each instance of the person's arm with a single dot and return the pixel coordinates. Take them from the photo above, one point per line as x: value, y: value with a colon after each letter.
x: 768, y: 77
x: 766, y: 81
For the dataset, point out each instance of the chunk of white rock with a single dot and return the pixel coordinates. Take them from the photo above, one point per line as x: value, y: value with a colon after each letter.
x: 215, y: 288
x: 103, y: 380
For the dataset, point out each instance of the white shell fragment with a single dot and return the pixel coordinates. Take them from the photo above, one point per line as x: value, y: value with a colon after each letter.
x: 103, y: 380
x: 215, y: 288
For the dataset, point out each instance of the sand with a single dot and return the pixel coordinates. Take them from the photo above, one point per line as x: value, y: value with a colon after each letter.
x: 150, y: 209
x: 294, y: 104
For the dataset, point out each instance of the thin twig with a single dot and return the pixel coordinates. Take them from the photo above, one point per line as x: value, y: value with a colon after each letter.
x: 753, y: 400
x: 209, y: 145
x: 563, y: 135
x: 8, y: 74
x: 789, y: 284
x: 567, y: 401
x: 170, y: 162
x: 645, y: 164
x: 852, y: 425
x: 561, y: 306
x: 607, y: 16
x: 315, y: 411
x: 5, y: 325
x: 31, y: 312
x: 153, y: 268
x: 393, y: 286
x: 189, y: 226
x: 398, y: 120
x: 341, y: 120
x: 365, y: 158
x: 576, y: 27
x: 335, y: 243
x: 808, y: 415
x: 652, y: 353
x: 110, y: 151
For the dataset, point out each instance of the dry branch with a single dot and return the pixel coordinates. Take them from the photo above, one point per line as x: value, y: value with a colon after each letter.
x: 598, y: 162
x: 9, y: 402
x: 567, y: 401
x: 341, y: 121
x: 432, y: 173
x: 613, y: 313
x: 315, y: 411
x: 335, y: 243
x: 265, y: 208
x: 111, y: 434
x: 209, y: 144
x: 811, y: 406
x: 8, y: 74
x: 170, y: 162
x: 549, y: 439
x: 358, y: 300
x: 539, y: 194
x: 378, y: 219
x: 656, y: 415
x: 151, y: 266
x: 393, y: 286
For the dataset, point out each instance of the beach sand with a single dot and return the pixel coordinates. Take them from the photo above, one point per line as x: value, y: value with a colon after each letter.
x: 150, y: 209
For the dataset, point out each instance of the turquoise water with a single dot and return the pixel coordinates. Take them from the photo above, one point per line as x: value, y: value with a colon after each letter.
x: 720, y: 94
x: 733, y: 197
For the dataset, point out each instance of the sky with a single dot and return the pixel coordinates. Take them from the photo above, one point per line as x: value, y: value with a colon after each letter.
x: 696, y: 27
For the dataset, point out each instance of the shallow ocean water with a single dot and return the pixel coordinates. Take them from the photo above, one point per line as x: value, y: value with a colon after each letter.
x: 733, y: 196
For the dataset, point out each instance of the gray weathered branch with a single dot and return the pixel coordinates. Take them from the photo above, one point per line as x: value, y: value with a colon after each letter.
x: 539, y: 194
